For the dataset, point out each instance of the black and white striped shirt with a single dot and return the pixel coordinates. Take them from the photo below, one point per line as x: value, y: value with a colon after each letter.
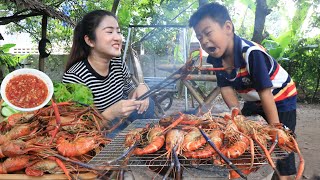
x: 106, y: 90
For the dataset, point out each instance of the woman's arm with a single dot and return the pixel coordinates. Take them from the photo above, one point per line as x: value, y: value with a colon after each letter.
x: 269, y: 106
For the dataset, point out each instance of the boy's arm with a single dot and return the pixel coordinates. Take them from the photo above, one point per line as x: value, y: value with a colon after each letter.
x: 230, y: 97
x: 269, y: 106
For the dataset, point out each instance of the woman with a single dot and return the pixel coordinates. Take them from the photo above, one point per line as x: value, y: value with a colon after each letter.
x: 97, y: 41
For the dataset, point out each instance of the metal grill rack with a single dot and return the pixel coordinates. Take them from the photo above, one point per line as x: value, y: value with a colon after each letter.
x: 116, y: 148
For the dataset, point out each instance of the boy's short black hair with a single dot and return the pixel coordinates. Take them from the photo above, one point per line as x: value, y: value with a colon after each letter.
x: 217, y: 12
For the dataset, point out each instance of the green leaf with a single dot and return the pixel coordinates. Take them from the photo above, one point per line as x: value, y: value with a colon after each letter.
x: 61, y: 93
x: 72, y: 92
x: 10, y: 60
x: 274, y: 49
x: 300, y: 16
x: 6, y: 47
x: 276, y: 52
x: 285, y: 39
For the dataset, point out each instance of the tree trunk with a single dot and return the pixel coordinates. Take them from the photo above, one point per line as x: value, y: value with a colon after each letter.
x: 2, y: 67
x: 203, y: 2
x: 260, y: 17
x: 44, y: 26
x: 115, y: 6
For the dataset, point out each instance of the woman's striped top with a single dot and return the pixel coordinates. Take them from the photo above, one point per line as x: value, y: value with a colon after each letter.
x: 106, y: 90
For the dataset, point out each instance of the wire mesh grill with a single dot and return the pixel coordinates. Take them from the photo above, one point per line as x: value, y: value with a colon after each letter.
x: 116, y: 148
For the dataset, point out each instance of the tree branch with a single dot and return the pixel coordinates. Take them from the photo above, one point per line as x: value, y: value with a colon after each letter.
x: 16, y: 18
x: 28, y: 31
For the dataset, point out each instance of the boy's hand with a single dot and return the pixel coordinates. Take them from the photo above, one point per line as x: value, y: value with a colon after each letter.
x: 235, y: 111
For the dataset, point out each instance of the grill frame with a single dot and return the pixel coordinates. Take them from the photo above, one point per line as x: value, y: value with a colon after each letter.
x: 116, y: 148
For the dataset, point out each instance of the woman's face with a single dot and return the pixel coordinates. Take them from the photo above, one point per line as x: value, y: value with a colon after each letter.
x: 108, y: 41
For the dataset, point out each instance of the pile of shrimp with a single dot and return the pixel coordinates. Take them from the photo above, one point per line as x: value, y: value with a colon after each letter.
x: 31, y: 142
x: 232, y: 134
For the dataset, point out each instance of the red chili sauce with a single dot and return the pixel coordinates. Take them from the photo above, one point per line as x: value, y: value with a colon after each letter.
x: 26, y: 91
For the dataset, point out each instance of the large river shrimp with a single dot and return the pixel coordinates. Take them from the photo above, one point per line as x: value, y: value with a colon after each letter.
x: 260, y: 133
x: 193, y: 140
x: 287, y: 142
x: 51, y: 165
x: 155, y: 141
x: 80, y: 145
x: 216, y: 136
x: 134, y: 136
x: 19, y: 131
x: 18, y: 147
x: 174, y: 140
x: 16, y: 163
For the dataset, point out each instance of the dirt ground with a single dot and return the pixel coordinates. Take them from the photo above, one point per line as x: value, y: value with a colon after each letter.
x: 307, y: 130
x: 308, y: 133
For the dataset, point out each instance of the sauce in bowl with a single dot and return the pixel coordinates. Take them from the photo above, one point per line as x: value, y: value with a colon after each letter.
x: 26, y: 91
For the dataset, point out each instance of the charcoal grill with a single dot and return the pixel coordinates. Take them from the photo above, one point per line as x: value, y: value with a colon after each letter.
x: 157, y: 160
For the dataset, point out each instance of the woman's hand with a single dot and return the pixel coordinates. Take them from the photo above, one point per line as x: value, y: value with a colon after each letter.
x: 121, y: 109
x: 139, y: 91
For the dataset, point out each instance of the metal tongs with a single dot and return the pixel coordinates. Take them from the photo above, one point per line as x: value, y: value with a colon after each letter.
x: 184, y: 71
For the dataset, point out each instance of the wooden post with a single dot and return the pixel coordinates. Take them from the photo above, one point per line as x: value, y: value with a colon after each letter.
x: 43, y: 36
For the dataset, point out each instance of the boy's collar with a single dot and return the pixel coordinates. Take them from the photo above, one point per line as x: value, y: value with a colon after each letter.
x: 238, y: 58
x: 237, y: 50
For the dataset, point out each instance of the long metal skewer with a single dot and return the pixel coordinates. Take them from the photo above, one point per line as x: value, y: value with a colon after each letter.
x: 184, y: 71
x: 169, y: 171
x: 176, y: 163
x: 88, y: 166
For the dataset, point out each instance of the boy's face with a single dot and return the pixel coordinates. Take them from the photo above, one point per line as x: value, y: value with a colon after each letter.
x: 214, y: 38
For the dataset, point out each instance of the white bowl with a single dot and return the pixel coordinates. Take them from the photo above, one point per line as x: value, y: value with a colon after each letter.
x: 45, y: 78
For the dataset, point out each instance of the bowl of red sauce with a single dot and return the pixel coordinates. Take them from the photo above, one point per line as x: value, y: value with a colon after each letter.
x: 26, y: 89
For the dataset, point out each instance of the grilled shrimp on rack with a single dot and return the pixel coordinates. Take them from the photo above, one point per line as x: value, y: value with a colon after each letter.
x: 155, y: 141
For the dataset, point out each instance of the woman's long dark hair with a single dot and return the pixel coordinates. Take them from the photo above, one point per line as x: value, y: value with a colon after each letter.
x: 87, y: 26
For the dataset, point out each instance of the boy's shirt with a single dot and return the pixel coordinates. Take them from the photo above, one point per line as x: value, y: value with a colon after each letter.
x: 256, y: 72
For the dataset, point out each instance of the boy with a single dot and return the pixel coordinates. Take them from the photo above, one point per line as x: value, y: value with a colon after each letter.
x: 264, y: 85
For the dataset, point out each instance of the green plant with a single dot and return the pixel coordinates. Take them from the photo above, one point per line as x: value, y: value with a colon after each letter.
x: 304, y: 67
x: 72, y: 92
x: 10, y: 60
